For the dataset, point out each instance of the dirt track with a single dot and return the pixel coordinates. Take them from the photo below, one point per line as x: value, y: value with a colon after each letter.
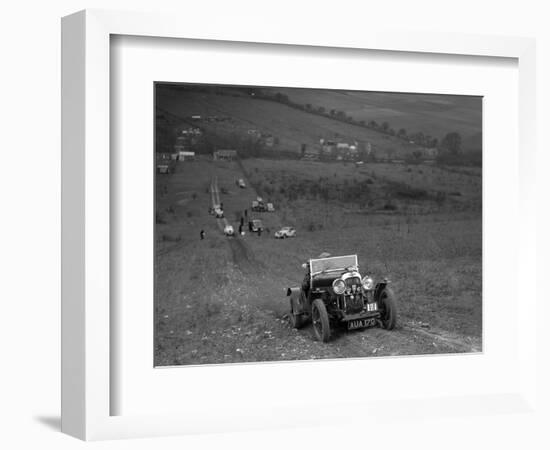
x: 242, y: 254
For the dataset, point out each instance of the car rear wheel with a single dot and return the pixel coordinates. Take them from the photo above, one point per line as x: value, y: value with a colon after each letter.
x: 319, y: 318
x: 388, y: 309
x: 296, y: 320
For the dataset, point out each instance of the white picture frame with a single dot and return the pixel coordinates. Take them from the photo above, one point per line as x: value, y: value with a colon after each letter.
x: 86, y: 325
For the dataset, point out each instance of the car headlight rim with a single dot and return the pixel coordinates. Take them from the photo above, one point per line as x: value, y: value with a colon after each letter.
x: 368, y: 283
x: 339, y: 286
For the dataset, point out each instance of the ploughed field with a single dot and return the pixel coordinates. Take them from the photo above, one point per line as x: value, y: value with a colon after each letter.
x: 223, y: 299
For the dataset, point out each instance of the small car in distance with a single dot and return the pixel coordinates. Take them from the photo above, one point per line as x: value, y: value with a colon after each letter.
x: 334, y: 293
x: 241, y: 183
x: 258, y: 205
x: 285, y: 232
x: 218, y: 212
x: 255, y: 226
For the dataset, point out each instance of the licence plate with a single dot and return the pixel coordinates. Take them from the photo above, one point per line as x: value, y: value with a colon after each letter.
x: 372, y: 307
x: 361, y: 323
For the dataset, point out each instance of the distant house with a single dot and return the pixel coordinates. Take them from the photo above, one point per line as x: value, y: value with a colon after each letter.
x: 339, y: 150
x: 225, y: 155
x: 430, y: 153
x: 196, y: 117
x: 193, y: 131
x: 340, y: 146
x: 163, y: 156
x: 186, y: 156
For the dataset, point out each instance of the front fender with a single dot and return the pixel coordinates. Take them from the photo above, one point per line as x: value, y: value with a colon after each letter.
x: 379, y: 288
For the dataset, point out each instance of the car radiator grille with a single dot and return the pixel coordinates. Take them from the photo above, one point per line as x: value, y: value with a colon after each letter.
x: 354, y: 303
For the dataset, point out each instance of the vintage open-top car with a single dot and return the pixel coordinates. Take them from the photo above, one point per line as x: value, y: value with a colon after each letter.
x: 333, y: 291
x: 285, y: 232
x: 255, y: 226
x: 259, y: 205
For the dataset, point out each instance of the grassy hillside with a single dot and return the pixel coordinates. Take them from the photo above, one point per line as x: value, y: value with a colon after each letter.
x: 431, y: 114
x: 223, y: 299
x: 290, y: 126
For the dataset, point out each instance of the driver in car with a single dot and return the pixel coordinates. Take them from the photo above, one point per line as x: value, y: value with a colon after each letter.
x: 307, y: 277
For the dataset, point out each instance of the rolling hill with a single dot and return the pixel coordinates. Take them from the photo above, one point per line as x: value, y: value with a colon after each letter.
x: 291, y: 126
x: 431, y: 114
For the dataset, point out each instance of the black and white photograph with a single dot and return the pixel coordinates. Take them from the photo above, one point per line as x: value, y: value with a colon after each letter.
x: 298, y: 224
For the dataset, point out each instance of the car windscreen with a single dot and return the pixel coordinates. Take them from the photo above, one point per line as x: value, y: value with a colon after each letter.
x: 328, y: 264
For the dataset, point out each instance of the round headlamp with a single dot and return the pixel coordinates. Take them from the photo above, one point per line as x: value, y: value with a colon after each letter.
x: 367, y: 283
x: 338, y: 286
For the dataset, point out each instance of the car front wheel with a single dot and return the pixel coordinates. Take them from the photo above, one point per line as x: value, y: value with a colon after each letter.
x: 319, y: 318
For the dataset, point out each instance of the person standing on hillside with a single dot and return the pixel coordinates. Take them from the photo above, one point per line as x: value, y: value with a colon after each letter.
x: 202, y: 234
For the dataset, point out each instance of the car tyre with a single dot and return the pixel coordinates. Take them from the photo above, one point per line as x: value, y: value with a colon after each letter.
x: 320, y: 321
x: 388, y: 309
x: 296, y: 320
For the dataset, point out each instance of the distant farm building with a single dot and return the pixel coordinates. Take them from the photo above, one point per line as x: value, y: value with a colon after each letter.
x: 188, y: 138
x: 225, y: 155
x: 342, y: 146
x: 430, y: 153
x: 339, y: 150
x: 254, y: 133
x: 186, y: 156
x: 193, y: 131
x: 163, y: 156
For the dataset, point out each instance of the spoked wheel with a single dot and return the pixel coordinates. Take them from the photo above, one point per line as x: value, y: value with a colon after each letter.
x: 319, y: 318
x: 388, y: 309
